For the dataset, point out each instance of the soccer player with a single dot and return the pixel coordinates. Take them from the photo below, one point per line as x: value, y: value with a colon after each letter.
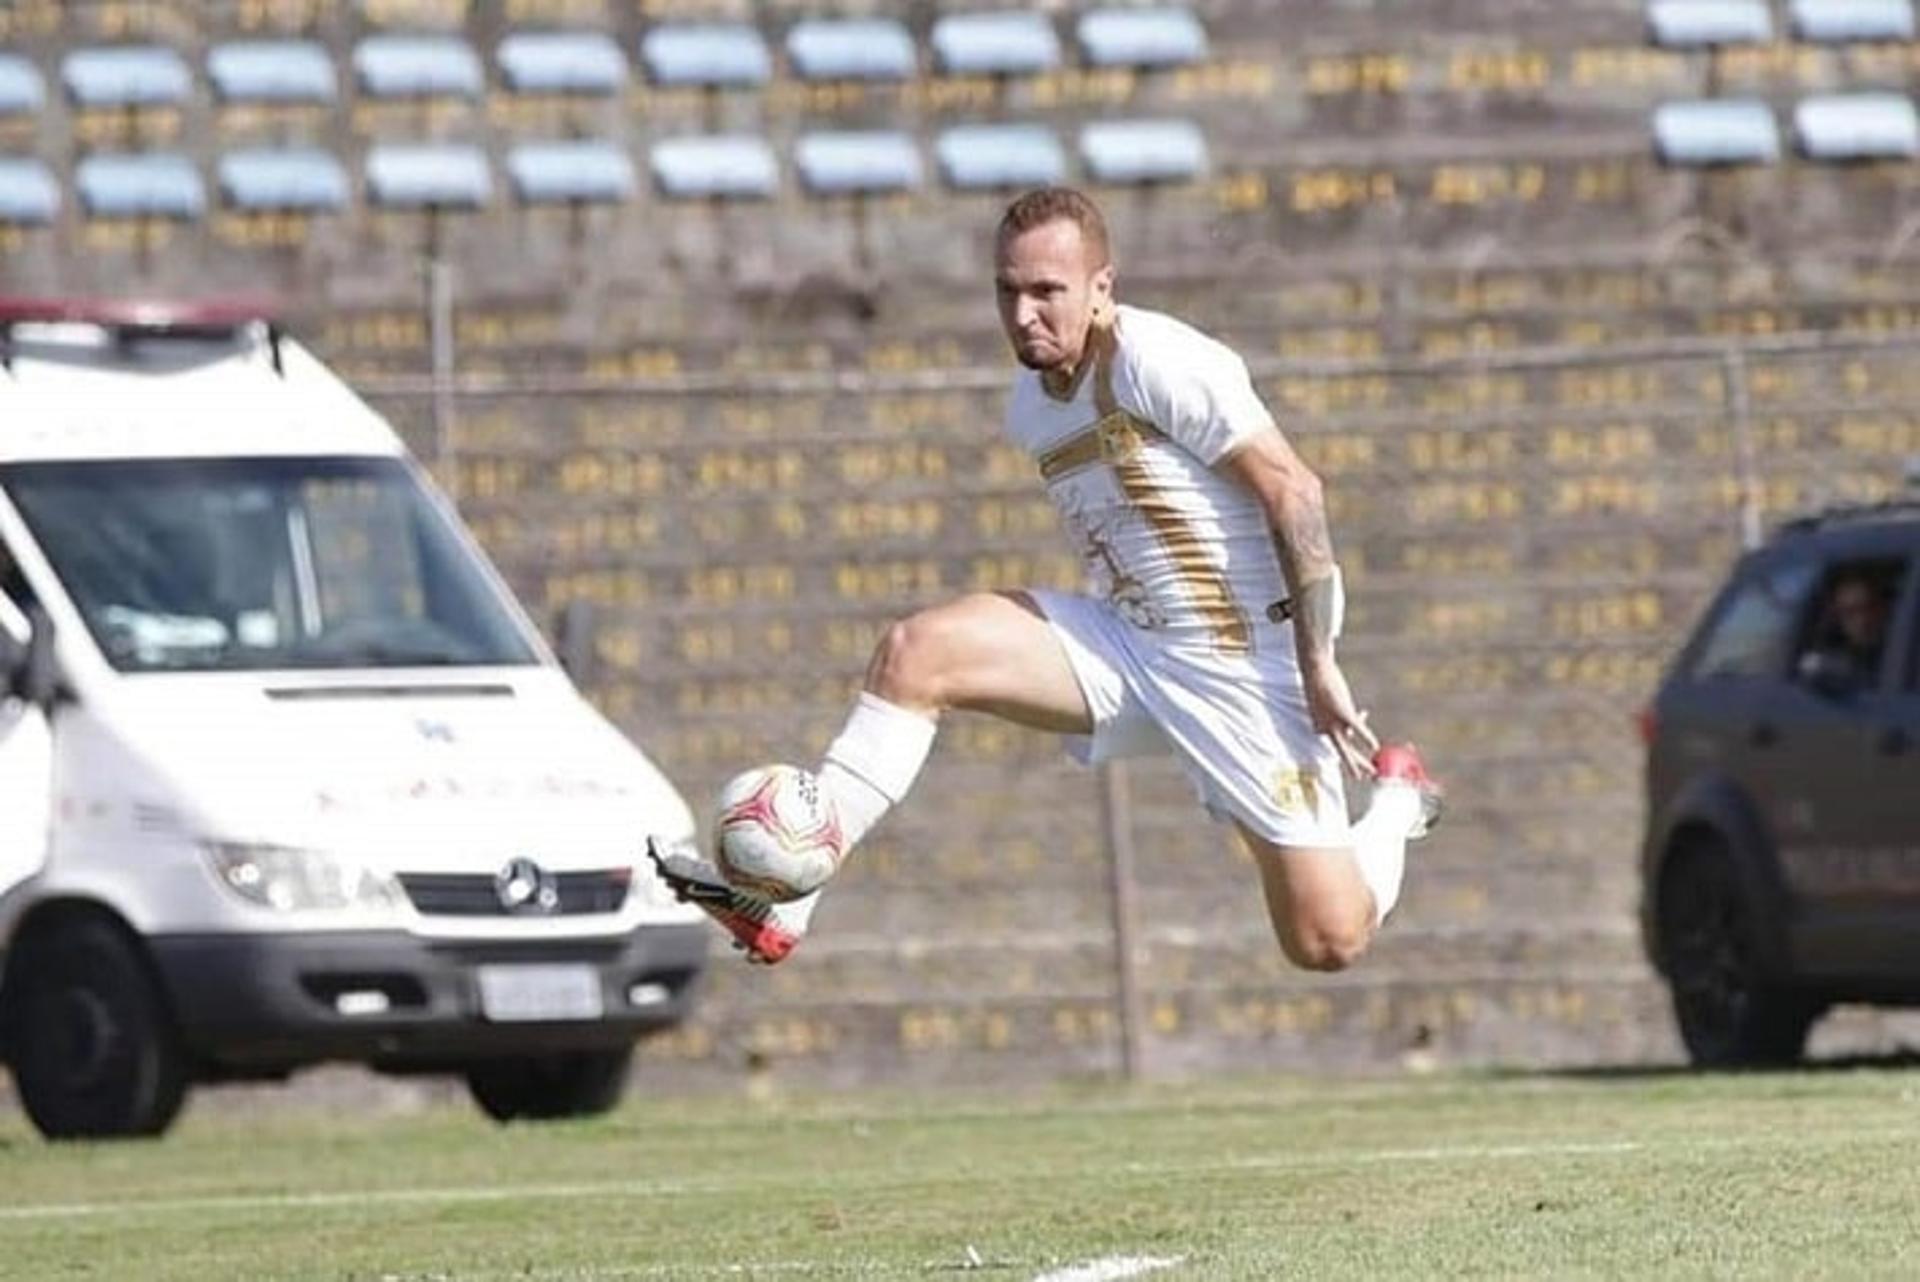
x: 1209, y: 631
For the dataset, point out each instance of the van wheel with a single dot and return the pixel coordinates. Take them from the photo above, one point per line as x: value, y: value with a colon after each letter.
x: 94, y: 1052
x: 1731, y: 1013
x: 543, y: 1087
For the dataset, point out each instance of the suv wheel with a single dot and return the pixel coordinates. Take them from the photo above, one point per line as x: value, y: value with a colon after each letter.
x: 543, y: 1087
x: 94, y: 1052
x: 1730, y: 1011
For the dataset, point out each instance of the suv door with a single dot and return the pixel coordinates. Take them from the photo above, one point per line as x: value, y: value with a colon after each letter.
x: 1839, y: 787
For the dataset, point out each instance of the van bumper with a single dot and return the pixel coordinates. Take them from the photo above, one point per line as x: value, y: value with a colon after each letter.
x: 267, y: 1003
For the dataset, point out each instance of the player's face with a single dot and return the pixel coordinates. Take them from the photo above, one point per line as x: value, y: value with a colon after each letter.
x: 1048, y: 291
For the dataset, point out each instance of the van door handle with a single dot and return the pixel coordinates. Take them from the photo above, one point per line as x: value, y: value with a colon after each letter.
x: 1894, y: 742
x: 1764, y: 734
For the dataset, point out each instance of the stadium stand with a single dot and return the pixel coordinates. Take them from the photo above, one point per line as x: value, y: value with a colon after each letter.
x: 153, y: 185
x: 851, y: 49
x: 1696, y: 24
x: 272, y: 71
x: 1143, y: 151
x: 1141, y: 38
x: 702, y: 168
x: 1851, y: 21
x: 28, y: 193
x: 706, y: 55
x: 304, y: 180
x: 1866, y: 126
x: 1716, y: 131
x: 561, y: 62
x: 570, y: 173
x: 418, y: 176
x: 417, y: 66
x: 133, y: 76
x: 842, y: 163
x: 1011, y: 43
x: 22, y: 89
x: 1000, y: 156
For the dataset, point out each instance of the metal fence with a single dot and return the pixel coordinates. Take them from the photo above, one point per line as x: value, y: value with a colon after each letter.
x: 1525, y: 535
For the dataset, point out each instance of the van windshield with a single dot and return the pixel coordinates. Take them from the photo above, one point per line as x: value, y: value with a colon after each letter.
x: 211, y: 564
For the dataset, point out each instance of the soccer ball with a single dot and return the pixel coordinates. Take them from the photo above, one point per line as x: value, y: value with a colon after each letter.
x: 777, y: 835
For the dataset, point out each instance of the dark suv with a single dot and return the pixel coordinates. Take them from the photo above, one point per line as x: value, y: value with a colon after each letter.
x: 1782, y: 858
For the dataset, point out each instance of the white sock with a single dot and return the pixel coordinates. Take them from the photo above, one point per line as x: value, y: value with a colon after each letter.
x: 1380, y: 842
x: 874, y: 762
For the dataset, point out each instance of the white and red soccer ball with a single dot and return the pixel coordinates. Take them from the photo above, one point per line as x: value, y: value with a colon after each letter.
x: 776, y: 834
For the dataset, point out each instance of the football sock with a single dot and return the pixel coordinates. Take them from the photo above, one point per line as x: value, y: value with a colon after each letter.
x: 1380, y: 842
x: 874, y: 762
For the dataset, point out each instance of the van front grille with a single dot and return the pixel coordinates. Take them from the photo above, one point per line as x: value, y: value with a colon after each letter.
x: 437, y: 894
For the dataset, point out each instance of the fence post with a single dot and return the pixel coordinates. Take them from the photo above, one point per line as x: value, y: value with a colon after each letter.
x: 1116, y: 810
x: 1733, y: 375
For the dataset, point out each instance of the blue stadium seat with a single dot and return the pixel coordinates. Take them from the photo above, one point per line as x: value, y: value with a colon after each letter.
x: 1842, y: 21
x: 1010, y: 43
x: 851, y: 49
x: 134, y: 76
x: 1696, y: 24
x: 305, y: 180
x: 146, y: 185
x: 278, y: 71
x: 1143, y: 151
x: 736, y: 165
x: 417, y: 67
x: 22, y: 91
x: 844, y: 163
x: 422, y: 176
x: 1856, y: 126
x: 567, y: 173
x: 1141, y: 37
x: 1716, y: 131
x: 28, y: 193
x: 990, y: 156
x: 568, y: 62
x: 711, y: 55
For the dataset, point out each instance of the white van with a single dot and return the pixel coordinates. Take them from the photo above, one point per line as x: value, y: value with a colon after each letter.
x: 285, y: 773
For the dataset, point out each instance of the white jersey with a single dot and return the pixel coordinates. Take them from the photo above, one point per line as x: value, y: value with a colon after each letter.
x: 1176, y: 547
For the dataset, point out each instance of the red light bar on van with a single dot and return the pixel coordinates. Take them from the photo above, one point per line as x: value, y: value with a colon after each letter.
x: 152, y: 316
x: 132, y: 318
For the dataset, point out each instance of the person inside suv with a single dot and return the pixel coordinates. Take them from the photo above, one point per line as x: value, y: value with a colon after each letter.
x: 1852, y: 632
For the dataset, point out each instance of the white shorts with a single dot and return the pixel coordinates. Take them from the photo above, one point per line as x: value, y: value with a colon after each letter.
x: 1237, y: 722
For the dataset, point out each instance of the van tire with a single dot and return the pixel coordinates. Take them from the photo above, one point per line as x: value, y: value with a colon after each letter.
x: 94, y: 1051
x: 1731, y: 1010
x: 547, y: 1087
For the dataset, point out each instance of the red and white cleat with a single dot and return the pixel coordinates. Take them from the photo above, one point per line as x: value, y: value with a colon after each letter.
x: 766, y: 932
x: 1400, y: 763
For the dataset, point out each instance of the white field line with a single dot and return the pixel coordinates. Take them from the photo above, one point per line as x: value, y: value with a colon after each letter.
x: 669, y: 1188
x: 1111, y: 1268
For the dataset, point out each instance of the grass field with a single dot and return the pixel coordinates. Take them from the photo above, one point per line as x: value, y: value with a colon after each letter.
x: 1781, y: 1175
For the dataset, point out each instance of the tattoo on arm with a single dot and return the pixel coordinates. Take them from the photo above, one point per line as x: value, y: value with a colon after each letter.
x: 1305, y: 545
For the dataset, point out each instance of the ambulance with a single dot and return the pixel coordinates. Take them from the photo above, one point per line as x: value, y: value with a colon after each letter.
x: 286, y: 775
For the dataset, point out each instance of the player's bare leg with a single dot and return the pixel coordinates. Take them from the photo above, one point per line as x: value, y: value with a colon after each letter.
x: 987, y: 652
x: 1327, y: 903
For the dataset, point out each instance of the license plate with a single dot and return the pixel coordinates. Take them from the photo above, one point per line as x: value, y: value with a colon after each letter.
x: 518, y: 994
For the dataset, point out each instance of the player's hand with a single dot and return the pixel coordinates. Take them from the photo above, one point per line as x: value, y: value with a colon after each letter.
x: 1330, y: 703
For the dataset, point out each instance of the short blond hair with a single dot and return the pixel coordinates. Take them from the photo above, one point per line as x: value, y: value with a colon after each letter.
x: 1045, y: 205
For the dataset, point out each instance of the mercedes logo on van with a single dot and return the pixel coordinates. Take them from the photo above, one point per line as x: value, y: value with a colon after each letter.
x: 526, y: 888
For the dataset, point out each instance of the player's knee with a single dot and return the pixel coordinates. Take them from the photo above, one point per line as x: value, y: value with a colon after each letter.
x: 1324, y: 946
x: 907, y: 663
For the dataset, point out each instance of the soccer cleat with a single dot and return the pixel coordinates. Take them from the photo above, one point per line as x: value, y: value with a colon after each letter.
x: 760, y: 929
x: 1400, y: 763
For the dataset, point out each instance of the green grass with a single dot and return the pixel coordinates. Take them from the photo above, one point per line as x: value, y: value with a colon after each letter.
x: 1782, y: 1175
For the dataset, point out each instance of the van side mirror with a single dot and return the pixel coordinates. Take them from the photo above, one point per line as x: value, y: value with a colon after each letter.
x: 28, y: 669
x: 575, y: 632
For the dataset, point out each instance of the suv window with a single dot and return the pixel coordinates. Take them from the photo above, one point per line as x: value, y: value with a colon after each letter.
x: 1843, y: 644
x: 1751, y: 634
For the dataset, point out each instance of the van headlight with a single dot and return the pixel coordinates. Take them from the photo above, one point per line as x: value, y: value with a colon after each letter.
x: 299, y: 880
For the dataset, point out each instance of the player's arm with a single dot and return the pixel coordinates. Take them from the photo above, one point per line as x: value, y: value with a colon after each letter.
x: 1296, y: 508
